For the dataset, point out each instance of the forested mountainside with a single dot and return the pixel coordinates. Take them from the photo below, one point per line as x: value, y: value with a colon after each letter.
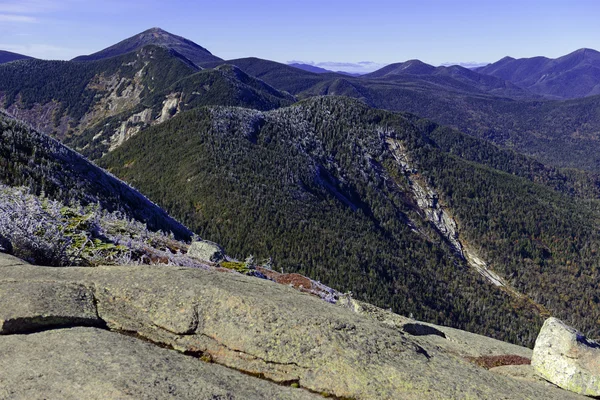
x: 63, y: 97
x: 46, y: 167
x: 452, y: 77
x: 403, y: 212
x: 398, y: 210
x: 95, y: 106
x: 225, y: 85
x: 560, y: 133
x: 413, y: 74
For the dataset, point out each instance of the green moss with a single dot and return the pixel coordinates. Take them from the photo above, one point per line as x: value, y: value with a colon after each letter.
x: 236, y: 266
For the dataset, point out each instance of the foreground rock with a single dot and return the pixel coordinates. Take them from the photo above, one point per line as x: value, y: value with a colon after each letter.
x: 29, y: 306
x: 88, y: 363
x: 565, y: 357
x: 205, y: 250
x: 267, y: 330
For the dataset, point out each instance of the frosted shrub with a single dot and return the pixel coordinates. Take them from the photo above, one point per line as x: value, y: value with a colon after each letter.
x: 46, y: 232
x: 32, y: 227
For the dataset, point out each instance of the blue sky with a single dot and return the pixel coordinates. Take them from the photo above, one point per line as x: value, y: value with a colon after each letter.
x: 335, y: 34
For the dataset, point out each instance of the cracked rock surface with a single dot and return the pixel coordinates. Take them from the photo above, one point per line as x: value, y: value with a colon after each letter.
x: 89, y: 363
x: 255, y: 326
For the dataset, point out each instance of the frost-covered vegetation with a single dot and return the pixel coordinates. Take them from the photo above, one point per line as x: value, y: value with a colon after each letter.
x: 31, y: 159
x: 57, y: 208
x: 48, y: 232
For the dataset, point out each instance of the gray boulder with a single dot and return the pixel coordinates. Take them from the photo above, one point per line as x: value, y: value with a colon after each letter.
x: 565, y: 357
x: 250, y: 325
x: 206, y: 251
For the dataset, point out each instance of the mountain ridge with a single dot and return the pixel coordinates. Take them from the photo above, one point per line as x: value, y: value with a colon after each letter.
x: 573, y: 75
x: 7, y: 56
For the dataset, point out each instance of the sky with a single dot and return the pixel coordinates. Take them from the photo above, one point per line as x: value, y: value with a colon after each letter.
x: 350, y: 35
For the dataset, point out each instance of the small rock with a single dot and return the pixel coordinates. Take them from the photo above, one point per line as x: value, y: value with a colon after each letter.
x: 565, y: 357
x: 205, y: 250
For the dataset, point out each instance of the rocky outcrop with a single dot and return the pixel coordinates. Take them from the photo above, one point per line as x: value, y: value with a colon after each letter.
x: 170, y: 107
x: 426, y: 198
x: 129, y: 128
x: 206, y: 250
x: 264, y: 329
x: 565, y: 357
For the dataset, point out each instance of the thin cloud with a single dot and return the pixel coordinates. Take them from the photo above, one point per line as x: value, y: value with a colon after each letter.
x: 17, y: 18
x: 28, y: 7
x: 43, y: 51
x: 467, y: 64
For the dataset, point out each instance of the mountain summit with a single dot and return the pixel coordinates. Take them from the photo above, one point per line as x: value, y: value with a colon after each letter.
x: 158, y: 37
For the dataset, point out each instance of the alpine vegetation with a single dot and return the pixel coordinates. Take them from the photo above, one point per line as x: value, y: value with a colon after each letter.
x: 42, y: 164
x: 48, y: 232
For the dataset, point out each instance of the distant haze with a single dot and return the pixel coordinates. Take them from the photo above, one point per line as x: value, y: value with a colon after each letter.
x: 362, y: 67
x: 468, y: 64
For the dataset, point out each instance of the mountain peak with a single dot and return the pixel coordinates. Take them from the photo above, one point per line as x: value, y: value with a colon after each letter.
x: 158, y: 37
x: 505, y: 59
x: 414, y: 67
x: 585, y: 50
x: 157, y: 32
x: 585, y: 53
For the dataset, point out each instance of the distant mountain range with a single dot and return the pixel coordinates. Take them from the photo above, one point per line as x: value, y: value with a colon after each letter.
x: 7, y: 56
x: 158, y: 37
x: 572, y: 76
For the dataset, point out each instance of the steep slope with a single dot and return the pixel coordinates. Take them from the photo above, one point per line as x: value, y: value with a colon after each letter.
x: 560, y: 133
x: 377, y: 203
x: 62, y: 98
x: 224, y: 85
x: 96, y: 106
x: 7, y: 56
x: 43, y: 165
x: 157, y: 37
x: 571, y: 76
